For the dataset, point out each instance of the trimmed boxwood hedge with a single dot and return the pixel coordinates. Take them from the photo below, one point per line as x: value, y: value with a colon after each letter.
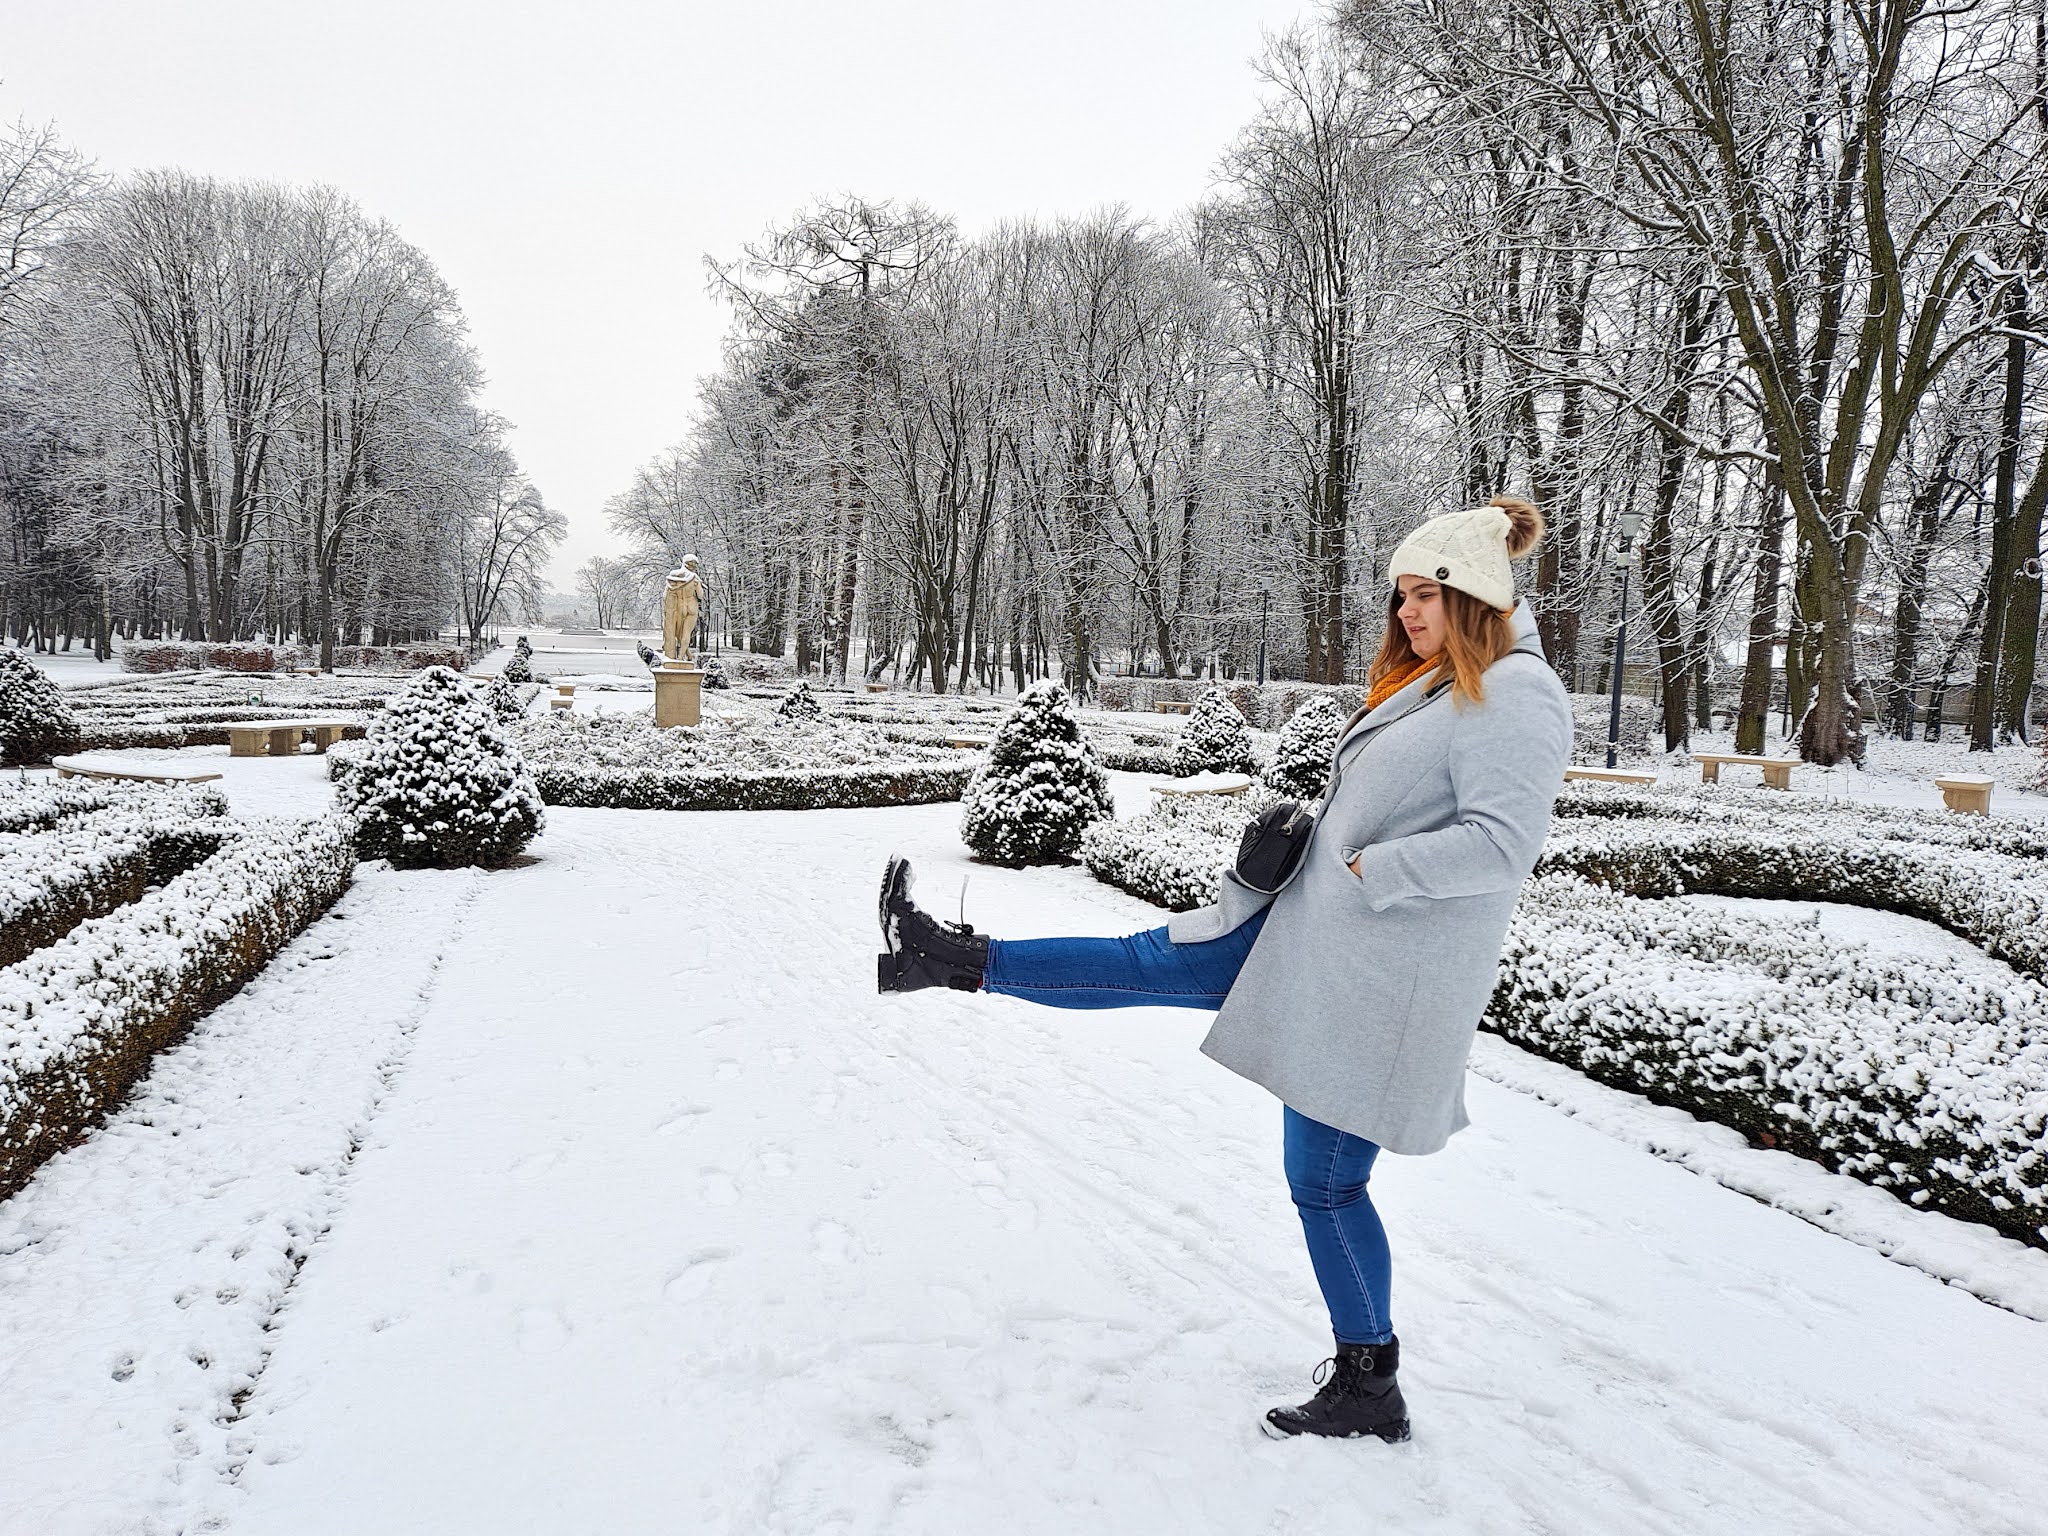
x: 1175, y: 855
x: 52, y: 881
x: 1922, y: 1077
x: 1918, y: 1077
x: 808, y: 789
x: 94, y: 737
x: 81, y: 1019
x: 35, y: 804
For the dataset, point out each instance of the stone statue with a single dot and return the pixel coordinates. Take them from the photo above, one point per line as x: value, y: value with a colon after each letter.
x: 680, y: 602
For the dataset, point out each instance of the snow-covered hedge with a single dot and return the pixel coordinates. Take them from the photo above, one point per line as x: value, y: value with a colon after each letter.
x: 1175, y: 855
x: 32, y: 805
x: 1214, y: 738
x: 86, y: 866
x: 1983, y: 880
x: 257, y: 656
x: 1915, y: 1075
x: 1590, y: 715
x: 731, y: 762
x: 1268, y: 708
x: 789, y: 789
x: 117, y: 738
x: 1040, y: 787
x: 438, y: 782
x: 800, y: 704
x: 1300, y: 769
x: 1923, y: 1079
x: 34, y: 719
x: 506, y: 700
x: 81, y: 1018
x: 1136, y: 754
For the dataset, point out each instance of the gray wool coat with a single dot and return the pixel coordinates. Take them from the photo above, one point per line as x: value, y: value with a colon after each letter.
x: 1358, y: 1003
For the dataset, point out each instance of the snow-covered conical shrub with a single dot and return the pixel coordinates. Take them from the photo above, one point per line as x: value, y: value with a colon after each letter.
x: 524, y: 647
x: 1215, y: 738
x: 1040, y: 788
x: 800, y: 703
x: 34, y: 719
x: 501, y: 697
x: 518, y: 669
x: 1301, y: 758
x: 438, y: 782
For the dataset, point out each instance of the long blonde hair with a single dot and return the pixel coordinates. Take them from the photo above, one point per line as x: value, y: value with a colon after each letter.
x: 1477, y: 634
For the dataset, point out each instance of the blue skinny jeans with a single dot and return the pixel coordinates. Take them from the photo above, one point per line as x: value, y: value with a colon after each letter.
x: 1327, y: 1169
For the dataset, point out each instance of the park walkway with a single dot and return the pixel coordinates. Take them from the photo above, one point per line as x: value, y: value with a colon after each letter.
x: 661, y: 1221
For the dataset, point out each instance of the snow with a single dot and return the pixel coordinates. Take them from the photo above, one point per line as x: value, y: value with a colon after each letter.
x: 1889, y: 933
x: 1207, y: 783
x: 1898, y: 773
x: 626, y: 1205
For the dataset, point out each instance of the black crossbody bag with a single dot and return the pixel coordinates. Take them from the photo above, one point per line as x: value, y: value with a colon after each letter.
x: 1273, y: 843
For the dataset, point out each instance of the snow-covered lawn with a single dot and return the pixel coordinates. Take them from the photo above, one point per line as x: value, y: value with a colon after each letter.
x: 625, y: 1205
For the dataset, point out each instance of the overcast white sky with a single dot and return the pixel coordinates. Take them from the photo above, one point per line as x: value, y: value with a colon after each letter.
x: 568, y: 166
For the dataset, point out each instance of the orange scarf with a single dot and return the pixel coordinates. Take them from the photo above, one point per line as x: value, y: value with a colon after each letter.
x: 1394, y: 682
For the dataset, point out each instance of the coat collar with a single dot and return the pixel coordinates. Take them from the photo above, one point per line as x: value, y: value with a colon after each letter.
x: 1426, y: 689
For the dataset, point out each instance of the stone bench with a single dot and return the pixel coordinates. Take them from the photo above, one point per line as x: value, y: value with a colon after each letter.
x: 1968, y: 792
x: 971, y: 742
x: 560, y: 701
x: 281, y: 738
x: 85, y: 767
x: 1204, y: 784
x: 1777, y: 770
x: 1611, y: 775
x: 1174, y: 706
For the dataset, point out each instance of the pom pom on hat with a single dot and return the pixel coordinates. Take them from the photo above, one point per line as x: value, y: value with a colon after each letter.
x: 1470, y: 549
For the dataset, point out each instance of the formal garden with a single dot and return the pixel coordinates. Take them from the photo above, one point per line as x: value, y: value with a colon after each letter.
x: 286, y: 968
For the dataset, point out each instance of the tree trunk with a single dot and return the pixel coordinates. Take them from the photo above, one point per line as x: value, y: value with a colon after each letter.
x: 1753, y: 721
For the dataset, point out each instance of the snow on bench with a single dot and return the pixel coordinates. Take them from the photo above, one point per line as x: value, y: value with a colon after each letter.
x: 1970, y: 792
x: 1611, y: 775
x: 87, y: 767
x: 1777, y: 770
x: 281, y: 738
x: 1204, y: 784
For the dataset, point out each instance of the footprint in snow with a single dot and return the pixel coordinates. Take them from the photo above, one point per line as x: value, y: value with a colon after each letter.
x: 695, y: 1277
x: 830, y: 1243
x: 726, y: 1071
x: 534, y: 1164
x: 681, y: 1119
x: 718, y: 1188
x: 542, y: 1330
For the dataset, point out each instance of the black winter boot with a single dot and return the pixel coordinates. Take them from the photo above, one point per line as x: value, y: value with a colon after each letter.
x: 923, y: 952
x: 1359, y: 1396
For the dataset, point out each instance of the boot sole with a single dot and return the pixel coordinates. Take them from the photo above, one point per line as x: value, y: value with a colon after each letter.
x: 895, y: 886
x: 1393, y: 1434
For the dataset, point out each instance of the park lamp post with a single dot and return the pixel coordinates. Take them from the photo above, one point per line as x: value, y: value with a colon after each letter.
x: 1630, y: 521
x: 1265, y: 597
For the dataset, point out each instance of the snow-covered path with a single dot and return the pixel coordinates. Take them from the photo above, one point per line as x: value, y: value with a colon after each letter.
x: 666, y: 1223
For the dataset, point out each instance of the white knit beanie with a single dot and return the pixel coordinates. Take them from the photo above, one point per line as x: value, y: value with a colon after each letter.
x: 1467, y: 550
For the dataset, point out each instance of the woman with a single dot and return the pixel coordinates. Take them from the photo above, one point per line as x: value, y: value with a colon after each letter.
x: 1354, y: 993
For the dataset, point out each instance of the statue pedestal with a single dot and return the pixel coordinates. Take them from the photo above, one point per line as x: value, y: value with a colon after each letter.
x: 678, y: 695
